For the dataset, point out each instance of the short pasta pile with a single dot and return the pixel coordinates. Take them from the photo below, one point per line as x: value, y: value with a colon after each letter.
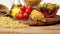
x: 7, y: 22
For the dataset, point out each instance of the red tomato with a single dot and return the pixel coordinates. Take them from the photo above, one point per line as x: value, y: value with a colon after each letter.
x: 21, y: 12
x: 30, y: 7
x: 28, y: 11
x: 23, y: 8
x: 19, y: 16
x: 26, y: 15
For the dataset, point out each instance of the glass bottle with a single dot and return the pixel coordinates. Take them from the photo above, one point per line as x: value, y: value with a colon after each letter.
x: 32, y: 2
x: 15, y: 8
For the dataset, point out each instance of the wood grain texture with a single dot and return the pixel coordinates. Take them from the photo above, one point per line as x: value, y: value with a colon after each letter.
x: 53, y: 29
x: 49, y: 21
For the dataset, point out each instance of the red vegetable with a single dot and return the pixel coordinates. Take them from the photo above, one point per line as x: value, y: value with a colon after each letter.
x: 29, y: 8
x: 26, y: 15
x: 28, y: 11
x: 19, y: 16
x: 51, y: 15
x: 23, y: 8
x: 21, y: 12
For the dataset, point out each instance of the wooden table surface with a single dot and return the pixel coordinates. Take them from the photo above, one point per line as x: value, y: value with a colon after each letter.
x: 53, y: 29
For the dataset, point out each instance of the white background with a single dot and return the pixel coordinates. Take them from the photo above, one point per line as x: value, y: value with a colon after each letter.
x: 8, y: 3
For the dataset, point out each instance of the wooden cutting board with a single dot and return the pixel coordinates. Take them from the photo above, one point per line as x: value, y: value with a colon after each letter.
x: 52, y: 29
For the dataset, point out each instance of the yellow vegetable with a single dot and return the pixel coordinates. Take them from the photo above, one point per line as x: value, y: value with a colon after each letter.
x: 35, y: 15
x: 14, y: 11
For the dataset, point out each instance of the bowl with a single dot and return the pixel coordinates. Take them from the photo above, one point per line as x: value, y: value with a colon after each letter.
x: 49, y: 10
x: 3, y: 10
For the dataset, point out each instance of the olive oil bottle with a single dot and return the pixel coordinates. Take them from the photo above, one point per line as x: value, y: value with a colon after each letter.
x: 15, y: 8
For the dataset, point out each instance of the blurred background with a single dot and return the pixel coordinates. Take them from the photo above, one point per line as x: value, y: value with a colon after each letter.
x: 8, y: 3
